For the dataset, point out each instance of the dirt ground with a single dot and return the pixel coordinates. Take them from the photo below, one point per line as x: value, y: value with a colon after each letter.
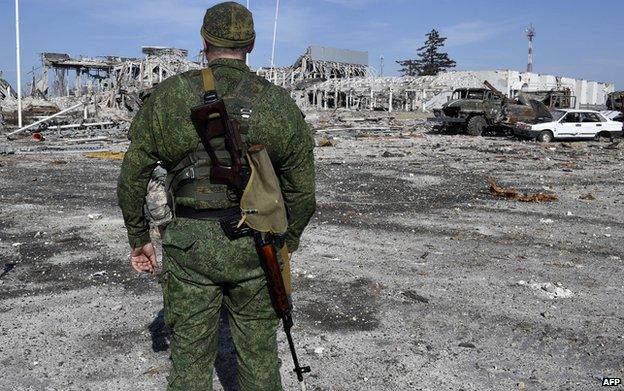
x: 411, y: 276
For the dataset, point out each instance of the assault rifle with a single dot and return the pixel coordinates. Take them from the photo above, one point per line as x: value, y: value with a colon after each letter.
x: 212, y: 121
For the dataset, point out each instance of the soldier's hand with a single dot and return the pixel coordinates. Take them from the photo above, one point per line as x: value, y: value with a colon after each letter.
x: 143, y: 259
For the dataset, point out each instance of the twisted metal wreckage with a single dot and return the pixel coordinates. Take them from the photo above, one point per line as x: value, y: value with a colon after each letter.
x: 112, y: 88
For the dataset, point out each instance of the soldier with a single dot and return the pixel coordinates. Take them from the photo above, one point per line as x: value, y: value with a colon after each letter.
x: 202, y: 269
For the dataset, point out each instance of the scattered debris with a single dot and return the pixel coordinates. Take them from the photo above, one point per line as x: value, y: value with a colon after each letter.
x: 415, y: 296
x: 391, y: 154
x: 587, y: 197
x: 95, y: 216
x: 548, y: 289
x: 106, y: 155
x: 152, y: 371
x: 99, y: 274
x: 7, y: 268
x: 468, y: 345
x: 572, y: 145
x: 325, y: 142
x: 69, y: 238
x: 514, y: 194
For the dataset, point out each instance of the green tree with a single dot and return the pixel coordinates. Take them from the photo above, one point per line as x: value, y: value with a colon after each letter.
x: 430, y: 60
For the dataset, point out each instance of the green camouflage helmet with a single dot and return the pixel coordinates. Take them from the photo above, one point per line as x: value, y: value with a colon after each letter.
x: 228, y: 25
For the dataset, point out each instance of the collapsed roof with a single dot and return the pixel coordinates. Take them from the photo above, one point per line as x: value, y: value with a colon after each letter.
x: 6, y: 91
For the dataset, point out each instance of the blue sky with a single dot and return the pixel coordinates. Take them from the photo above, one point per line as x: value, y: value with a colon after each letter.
x: 583, y: 39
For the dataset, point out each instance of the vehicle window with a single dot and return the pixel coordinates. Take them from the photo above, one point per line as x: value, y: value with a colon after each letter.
x: 590, y: 117
x: 572, y: 117
x: 557, y: 114
x: 475, y: 95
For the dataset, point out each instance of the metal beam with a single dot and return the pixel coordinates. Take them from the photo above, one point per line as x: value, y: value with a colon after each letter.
x: 45, y: 119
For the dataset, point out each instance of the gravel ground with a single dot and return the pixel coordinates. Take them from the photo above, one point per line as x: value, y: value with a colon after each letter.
x: 411, y: 276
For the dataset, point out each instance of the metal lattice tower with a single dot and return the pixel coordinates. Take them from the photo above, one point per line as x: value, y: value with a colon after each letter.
x: 530, y: 32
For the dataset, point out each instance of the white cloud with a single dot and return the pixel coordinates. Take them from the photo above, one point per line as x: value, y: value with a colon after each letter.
x: 466, y: 33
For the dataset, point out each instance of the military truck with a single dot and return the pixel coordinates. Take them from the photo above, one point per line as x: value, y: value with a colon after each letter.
x: 473, y: 109
x: 476, y: 109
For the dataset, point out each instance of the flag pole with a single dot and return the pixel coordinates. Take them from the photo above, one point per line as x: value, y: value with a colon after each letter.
x: 274, y: 37
x: 247, y: 56
x: 19, y: 72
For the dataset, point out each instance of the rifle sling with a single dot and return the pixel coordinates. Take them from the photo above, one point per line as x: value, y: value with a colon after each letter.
x: 209, y: 86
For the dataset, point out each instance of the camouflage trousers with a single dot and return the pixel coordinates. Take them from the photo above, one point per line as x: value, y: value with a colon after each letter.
x: 202, y: 271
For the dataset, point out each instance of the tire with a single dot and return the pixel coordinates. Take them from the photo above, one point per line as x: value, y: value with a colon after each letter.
x: 476, y: 126
x: 545, y: 136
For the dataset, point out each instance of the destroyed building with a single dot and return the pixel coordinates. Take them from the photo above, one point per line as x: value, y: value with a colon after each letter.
x: 323, y: 78
x: 331, y: 78
x: 317, y: 64
x: 429, y: 92
x: 100, y: 74
x: 114, y: 82
x: 6, y: 91
x: 111, y: 88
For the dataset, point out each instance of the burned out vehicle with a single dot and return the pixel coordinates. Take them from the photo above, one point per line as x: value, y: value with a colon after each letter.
x: 615, y: 101
x: 471, y: 108
x: 476, y: 109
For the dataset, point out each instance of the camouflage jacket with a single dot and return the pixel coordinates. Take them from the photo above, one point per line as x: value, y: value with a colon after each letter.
x: 162, y: 131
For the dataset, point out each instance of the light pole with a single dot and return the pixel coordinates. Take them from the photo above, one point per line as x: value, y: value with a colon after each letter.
x: 274, y: 37
x: 19, y: 72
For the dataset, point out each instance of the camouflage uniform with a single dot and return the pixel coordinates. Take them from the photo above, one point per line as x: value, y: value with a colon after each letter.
x: 203, y: 269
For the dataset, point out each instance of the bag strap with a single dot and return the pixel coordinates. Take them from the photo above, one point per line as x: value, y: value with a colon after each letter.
x: 208, y: 79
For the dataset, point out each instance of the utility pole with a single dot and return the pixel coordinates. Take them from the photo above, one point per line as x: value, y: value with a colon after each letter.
x: 381, y: 65
x: 274, y: 37
x: 19, y: 72
x: 530, y: 32
x: 247, y: 56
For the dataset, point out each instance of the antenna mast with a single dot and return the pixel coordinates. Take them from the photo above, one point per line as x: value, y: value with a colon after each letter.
x: 530, y: 32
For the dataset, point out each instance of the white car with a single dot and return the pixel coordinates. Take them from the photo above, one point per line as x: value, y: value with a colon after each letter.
x: 570, y: 123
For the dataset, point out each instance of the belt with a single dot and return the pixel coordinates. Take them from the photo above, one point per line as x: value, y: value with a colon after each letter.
x: 205, y: 214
